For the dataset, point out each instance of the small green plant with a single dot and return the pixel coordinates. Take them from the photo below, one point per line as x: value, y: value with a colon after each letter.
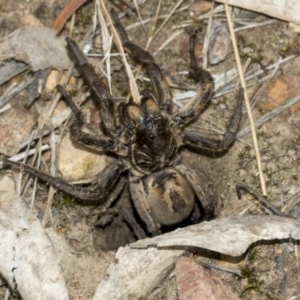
x: 249, y: 273
x: 63, y: 200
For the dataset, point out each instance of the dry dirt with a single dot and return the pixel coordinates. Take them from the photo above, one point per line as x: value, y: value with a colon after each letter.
x: 271, y: 271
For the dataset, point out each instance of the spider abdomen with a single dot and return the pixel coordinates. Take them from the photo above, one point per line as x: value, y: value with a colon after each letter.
x: 170, y: 195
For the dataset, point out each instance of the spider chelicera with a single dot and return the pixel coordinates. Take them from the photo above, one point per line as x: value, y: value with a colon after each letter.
x: 146, y: 139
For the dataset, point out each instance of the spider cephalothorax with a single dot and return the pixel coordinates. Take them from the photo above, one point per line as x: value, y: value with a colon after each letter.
x: 146, y: 138
x: 154, y: 144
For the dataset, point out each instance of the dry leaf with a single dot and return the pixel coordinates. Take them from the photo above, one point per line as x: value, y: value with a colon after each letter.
x: 230, y: 236
x: 280, y: 9
x: 219, y: 43
x: 37, y: 47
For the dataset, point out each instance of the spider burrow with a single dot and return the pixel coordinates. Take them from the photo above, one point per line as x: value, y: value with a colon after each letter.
x: 146, y: 139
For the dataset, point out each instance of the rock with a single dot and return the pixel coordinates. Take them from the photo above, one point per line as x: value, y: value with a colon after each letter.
x: 78, y: 163
x: 15, y: 125
x: 193, y: 280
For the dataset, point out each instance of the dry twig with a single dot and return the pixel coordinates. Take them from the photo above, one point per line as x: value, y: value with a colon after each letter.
x: 243, y: 84
x: 66, y: 13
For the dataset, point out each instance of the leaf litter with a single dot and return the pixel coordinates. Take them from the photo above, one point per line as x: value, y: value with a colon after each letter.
x: 45, y: 50
x: 246, y: 231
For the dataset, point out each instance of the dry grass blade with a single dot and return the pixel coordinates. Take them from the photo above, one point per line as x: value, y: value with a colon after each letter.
x: 72, y: 25
x: 154, y: 20
x: 133, y: 86
x: 267, y: 117
x: 190, y: 22
x: 169, y: 40
x: 237, y: 57
x: 106, y: 41
x: 164, y: 22
x: 37, y: 155
x: 52, y: 190
x: 35, y: 180
x: 47, y: 118
x: 152, y: 36
x: 21, y: 155
x: 206, y: 39
x: 64, y: 82
x: 254, y: 25
x: 14, y: 90
x: 153, y: 25
x: 262, y: 199
x: 265, y: 84
x: 26, y: 153
x: 136, y: 5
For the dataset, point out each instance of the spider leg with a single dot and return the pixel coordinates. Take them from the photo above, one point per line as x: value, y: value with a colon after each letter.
x: 198, y: 141
x: 139, y: 199
x: 199, y: 182
x: 98, y: 88
x: 96, y: 195
x: 102, y: 143
x: 195, y: 106
x: 163, y: 94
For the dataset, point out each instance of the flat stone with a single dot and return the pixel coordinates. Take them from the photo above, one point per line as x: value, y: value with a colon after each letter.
x: 77, y: 163
x: 15, y: 125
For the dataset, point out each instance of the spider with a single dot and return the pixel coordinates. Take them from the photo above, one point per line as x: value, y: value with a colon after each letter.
x: 146, y: 139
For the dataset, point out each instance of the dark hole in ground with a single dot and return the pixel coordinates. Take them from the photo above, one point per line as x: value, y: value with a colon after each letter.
x: 116, y: 232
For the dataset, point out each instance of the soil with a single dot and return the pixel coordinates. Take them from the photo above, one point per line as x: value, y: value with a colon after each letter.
x: 271, y: 270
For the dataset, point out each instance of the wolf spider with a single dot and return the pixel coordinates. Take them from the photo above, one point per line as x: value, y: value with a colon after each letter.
x: 146, y: 139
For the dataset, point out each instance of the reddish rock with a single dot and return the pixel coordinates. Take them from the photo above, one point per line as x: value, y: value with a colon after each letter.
x: 195, y: 282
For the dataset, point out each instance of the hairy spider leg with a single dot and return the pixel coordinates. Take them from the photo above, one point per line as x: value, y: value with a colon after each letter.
x: 196, y: 182
x: 99, y: 143
x: 95, y: 195
x: 195, y: 106
x: 162, y: 91
x: 138, y: 196
x: 215, y: 145
x: 98, y: 88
